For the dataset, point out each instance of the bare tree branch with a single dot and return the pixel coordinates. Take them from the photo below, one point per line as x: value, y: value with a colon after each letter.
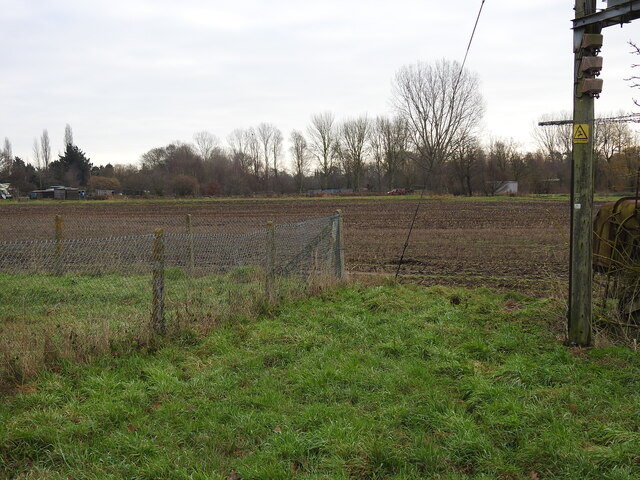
x: 440, y: 107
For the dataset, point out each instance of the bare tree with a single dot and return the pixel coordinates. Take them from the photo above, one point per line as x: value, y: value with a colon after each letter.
x: 555, y: 140
x: 377, y: 152
x: 342, y: 160
x: 442, y: 105
x: 389, y: 145
x: 37, y: 160
x: 253, y: 148
x: 6, y: 157
x: 300, y: 154
x: 37, y: 157
x: 610, y: 139
x: 634, y: 79
x: 239, y: 140
x: 276, y: 147
x: 7, y: 150
x: 353, y: 140
x: 45, y: 148
x: 266, y: 132
x: 206, y: 143
x: 504, y: 163
x: 555, y: 143
x: 466, y: 162
x: 68, y: 136
x: 322, y: 136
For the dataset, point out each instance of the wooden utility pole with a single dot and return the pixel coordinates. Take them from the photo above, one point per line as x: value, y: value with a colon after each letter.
x: 580, y: 270
x: 587, y: 25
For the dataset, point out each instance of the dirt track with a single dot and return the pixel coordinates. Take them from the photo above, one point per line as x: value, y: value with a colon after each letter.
x: 503, y: 244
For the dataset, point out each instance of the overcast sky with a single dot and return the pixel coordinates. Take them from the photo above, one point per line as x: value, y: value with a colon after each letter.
x: 132, y: 75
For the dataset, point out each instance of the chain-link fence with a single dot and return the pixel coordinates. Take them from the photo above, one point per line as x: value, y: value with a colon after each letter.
x: 67, y: 290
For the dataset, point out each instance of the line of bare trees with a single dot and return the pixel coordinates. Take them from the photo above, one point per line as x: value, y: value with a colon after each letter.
x: 431, y: 140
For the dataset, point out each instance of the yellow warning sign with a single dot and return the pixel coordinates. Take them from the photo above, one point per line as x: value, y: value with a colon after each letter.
x: 580, y: 133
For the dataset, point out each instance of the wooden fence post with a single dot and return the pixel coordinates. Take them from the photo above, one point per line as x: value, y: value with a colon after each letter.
x: 190, y: 245
x: 338, y: 248
x: 157, y: 306
x: 271, y: 261
x: 57, y: 262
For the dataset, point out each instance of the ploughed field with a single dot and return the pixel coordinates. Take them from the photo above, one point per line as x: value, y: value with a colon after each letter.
x: 507, y: 243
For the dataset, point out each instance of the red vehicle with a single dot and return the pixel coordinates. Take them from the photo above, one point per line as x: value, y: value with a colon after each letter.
x: 397, y: 191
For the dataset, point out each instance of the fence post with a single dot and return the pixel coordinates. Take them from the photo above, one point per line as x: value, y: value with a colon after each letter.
x: 190, y: 245
x: 338, y: 248
x: 271, y: 260
x: 157, y: 306
x: 57, y: 262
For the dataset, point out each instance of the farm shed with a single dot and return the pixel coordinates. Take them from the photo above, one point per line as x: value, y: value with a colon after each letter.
x: 41, y: 194
x: 58, y: 193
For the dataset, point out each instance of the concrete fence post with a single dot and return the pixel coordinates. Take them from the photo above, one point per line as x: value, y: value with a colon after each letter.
x: 57, y: 262
x: 338, y: 247
x: 271, y: 261
x: 157, y: 306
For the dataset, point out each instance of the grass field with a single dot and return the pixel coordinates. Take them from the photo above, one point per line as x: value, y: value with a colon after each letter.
x: 388, y: 382
x: 45, y: 319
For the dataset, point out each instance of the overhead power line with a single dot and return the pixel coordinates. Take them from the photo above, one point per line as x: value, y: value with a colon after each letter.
x: 630, y: 118
x: 415, y: 214
x: 473, y: 33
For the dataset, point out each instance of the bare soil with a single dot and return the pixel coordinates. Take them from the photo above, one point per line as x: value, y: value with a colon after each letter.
x: 504, y: 244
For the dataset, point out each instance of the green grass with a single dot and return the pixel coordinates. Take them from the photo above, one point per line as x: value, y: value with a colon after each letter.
x: 45, y: 318
x: 391, y: 382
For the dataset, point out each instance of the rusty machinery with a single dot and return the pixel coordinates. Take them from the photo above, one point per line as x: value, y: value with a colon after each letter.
x: 616, y: 253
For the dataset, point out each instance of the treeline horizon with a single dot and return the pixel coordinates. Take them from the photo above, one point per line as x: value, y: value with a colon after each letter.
x: 431, y: 141
x: 206, y: 168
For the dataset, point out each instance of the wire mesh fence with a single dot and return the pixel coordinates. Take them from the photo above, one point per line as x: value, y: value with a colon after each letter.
x: 69, y: 291
x: 94, y: 222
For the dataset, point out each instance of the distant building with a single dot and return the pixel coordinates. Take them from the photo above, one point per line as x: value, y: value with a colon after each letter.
x: 58, y: 192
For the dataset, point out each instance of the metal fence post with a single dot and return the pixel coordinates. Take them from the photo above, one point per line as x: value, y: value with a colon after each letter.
x: 338, y: 248
x: 157, y: 307
x: 271, y: 260
x: 190, y: 244
x: 57, y: 267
